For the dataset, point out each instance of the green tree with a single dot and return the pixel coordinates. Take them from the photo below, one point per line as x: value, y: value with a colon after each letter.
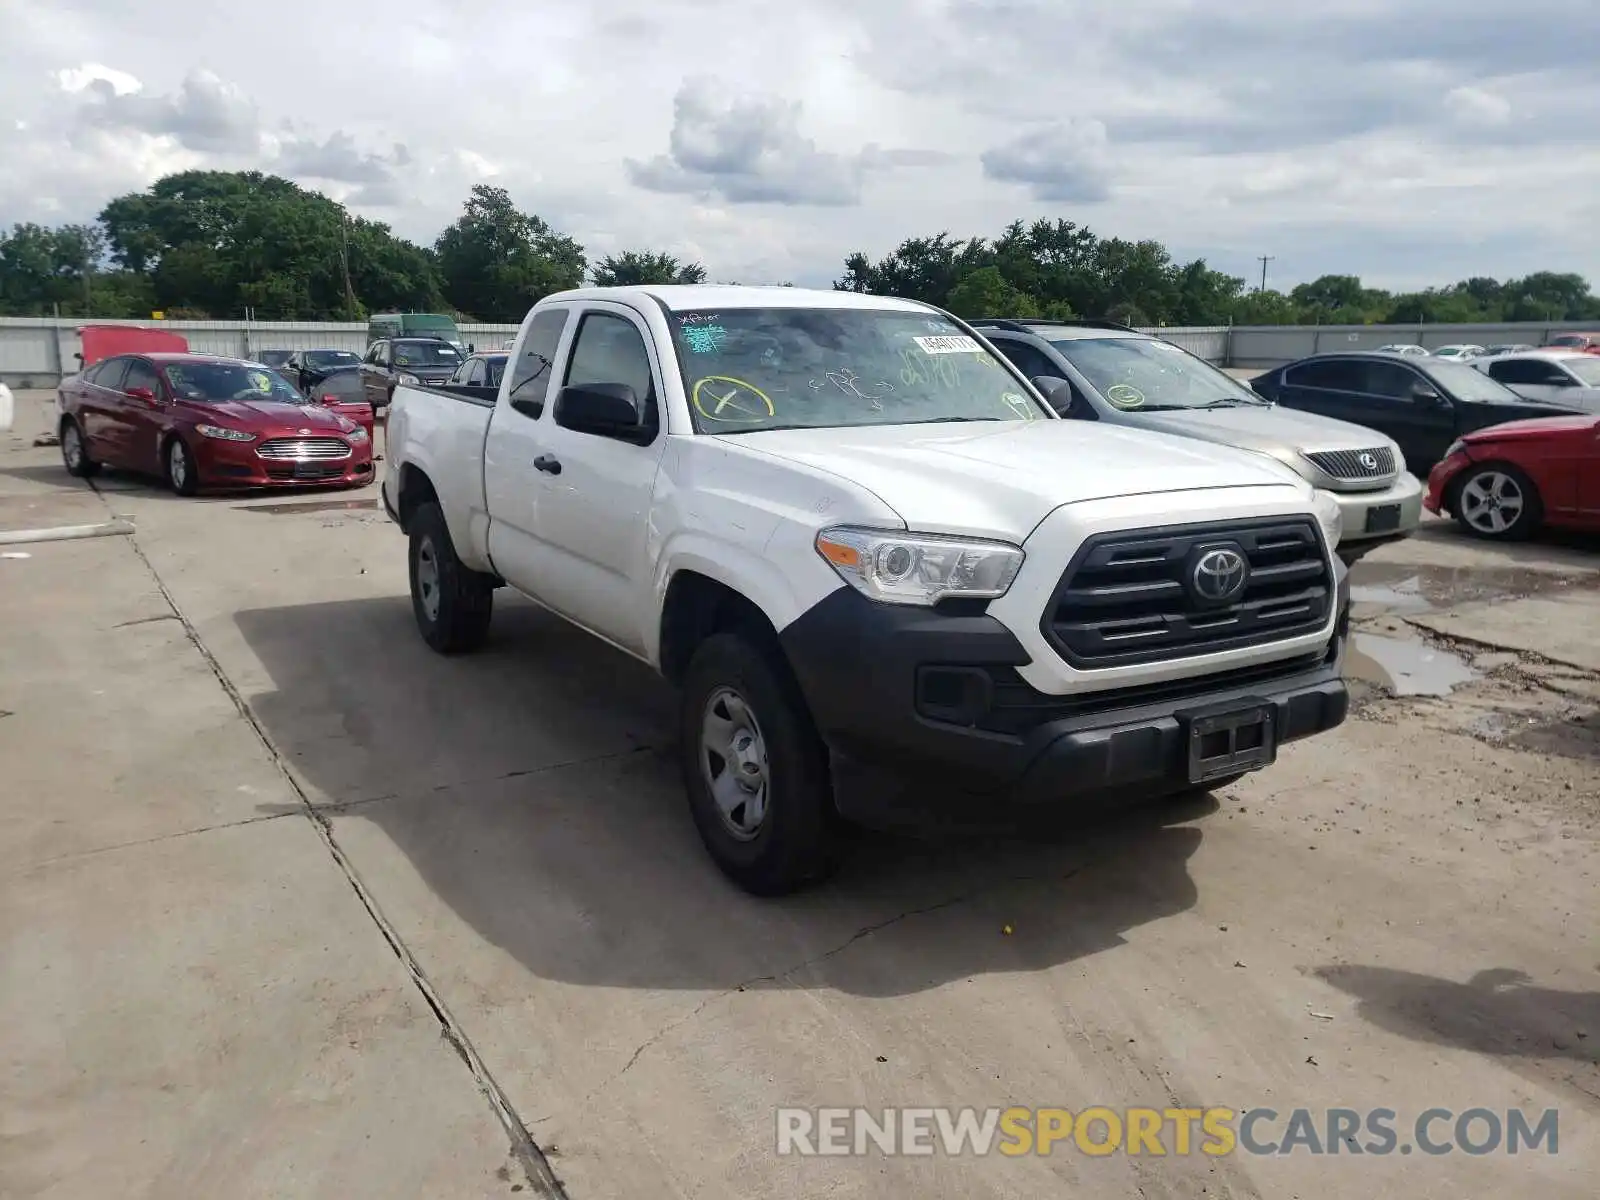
x: 221, y: 242
x: 985, y: 293
x: 633, y: 267
x: 496, y: 261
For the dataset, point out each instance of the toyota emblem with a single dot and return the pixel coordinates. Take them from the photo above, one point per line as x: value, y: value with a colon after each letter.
x: 1368, y: 459
x: 1220, y: 575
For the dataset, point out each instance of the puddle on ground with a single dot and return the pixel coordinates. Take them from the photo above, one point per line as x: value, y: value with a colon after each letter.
x: 1404, y: 666
x: 310, y: 506
x: 1386, y: 587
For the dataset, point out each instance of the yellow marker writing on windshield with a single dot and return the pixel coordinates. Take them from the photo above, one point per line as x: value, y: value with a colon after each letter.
x: 728, y: 395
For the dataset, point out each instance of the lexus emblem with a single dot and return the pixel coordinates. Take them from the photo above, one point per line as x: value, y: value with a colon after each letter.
x: 1368, y: 459
x: 1220, y: 575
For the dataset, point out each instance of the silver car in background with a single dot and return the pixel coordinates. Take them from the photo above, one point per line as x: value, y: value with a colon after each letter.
x: 1569, y: 377
x: 1102, y: 371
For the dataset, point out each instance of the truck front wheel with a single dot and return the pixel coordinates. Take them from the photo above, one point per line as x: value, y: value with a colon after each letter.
x: 754, y: 768
x: 452, y: 602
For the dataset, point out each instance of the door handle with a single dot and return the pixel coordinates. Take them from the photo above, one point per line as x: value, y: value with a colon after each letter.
x: 548, y: 464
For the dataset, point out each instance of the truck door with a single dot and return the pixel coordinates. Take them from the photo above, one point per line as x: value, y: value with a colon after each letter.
x: 510, y: 480
x: 593, y: 492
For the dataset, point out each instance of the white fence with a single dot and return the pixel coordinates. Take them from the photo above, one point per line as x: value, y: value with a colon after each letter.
x: 37, y: 351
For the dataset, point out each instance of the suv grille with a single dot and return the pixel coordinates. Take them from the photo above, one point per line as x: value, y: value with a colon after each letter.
x: 1135, y: 596
x: 1353, y: 465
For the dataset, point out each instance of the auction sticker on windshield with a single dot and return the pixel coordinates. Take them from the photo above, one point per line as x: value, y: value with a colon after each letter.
x: 948, y: 345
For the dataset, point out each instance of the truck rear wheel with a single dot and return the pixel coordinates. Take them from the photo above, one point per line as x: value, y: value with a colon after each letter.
x: 452, y: 603
x: 754, y: 768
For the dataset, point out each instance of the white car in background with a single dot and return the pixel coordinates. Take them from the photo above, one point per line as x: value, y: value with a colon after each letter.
x: 8, y: 406
x: 1568, y: 377
x: 1411, y: 349
x: 1459, y: 353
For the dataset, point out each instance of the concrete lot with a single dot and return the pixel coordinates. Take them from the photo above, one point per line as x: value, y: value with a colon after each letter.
x: 293, y: 907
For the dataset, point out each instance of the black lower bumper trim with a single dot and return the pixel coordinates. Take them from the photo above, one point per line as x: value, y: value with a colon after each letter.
x: 898, y: 745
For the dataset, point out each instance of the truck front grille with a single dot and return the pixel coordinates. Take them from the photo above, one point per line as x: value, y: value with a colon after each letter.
x: 1138, y: 596
x: 1356, y: 466
x: 303, y: 449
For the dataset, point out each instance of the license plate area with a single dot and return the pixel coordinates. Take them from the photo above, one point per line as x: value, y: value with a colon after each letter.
x: 1226, y: 742
x: 1383, y: 518
x: 316, y: 470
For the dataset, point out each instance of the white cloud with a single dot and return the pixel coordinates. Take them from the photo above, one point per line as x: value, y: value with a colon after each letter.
x: 76, y: 79
x: 1476, y: 106
x: 770, y: 139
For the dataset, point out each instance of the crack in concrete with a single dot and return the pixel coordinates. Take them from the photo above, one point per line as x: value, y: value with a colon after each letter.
x: 536, y: 1167
x: 787, y: 975
x: 155, y: 841
x: 144, y: 621
x: 1462, y: 641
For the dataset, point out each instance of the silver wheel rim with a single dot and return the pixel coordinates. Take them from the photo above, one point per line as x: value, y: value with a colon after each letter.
x: 178, y: 465
x: 1492, y: 502
x: 428, y: 578
x: 733, y: 761
x: 72, y: 447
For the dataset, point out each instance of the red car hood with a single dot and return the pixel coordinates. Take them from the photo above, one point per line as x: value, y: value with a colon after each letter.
x: 262, y: 416
x: 1533, y: 427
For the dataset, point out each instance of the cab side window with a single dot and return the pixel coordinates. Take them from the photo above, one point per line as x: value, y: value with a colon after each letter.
x: 530, y: 374
x: 610, y: 349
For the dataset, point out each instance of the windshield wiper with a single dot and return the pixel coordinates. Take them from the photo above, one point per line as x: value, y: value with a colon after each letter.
x: 1233, y: 402
x: 942, y: 420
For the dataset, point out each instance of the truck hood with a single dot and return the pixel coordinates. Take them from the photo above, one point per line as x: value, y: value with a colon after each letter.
x: 1001, y: 479
x: 1264, y: 428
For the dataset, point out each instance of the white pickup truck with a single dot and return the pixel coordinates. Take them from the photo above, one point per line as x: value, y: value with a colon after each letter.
x: 885, y: 577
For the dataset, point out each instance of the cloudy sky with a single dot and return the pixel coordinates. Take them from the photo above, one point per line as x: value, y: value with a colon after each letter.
x: 1408, y: 141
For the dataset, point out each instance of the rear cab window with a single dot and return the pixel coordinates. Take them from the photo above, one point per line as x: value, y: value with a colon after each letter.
x: 530, y: 376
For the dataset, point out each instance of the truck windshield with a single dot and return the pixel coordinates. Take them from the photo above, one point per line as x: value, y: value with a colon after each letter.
x: 426, y: 354
x: 748, y: 369
x: 1143, y: 374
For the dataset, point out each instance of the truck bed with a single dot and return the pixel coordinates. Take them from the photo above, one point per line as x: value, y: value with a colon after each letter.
x: 441, y: 429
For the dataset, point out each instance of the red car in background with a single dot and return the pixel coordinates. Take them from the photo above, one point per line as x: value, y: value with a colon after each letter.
x: 1507, y: 481
x: 201, y: 421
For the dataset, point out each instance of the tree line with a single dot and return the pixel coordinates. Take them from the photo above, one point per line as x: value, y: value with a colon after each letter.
x: 219, y: 244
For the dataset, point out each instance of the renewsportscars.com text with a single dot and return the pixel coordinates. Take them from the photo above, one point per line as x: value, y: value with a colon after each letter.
x: 1100, y: 1131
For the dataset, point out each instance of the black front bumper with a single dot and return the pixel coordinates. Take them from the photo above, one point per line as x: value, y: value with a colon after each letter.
x: 924, y: 711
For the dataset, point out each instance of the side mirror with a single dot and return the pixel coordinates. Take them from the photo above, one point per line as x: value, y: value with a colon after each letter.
x: 471, y: 348
x: 142, y: 394
x: 605, y: 409
x: 1056, y: 391
x: 1426, y: 396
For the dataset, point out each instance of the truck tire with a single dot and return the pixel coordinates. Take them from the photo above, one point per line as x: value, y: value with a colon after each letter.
x: 452, y: 603
x: 754, y: 768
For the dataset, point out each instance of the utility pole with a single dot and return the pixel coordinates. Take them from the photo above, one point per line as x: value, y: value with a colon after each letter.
x: 344, y: 262
x: 1264, y: 259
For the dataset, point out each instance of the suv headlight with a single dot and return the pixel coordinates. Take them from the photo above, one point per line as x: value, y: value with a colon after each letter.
x: 918, y: 568
x: 407, y: 378
x: 1329, y: 516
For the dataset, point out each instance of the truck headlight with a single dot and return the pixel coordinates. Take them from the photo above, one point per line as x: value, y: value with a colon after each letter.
x: 407, y: 379
x: 1329, y: 516
x: 224, y: 434
x: 918, y: 568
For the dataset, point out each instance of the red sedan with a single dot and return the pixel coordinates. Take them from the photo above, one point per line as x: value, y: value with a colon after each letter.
x: 1508, y: 480
x: 200, y: 421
